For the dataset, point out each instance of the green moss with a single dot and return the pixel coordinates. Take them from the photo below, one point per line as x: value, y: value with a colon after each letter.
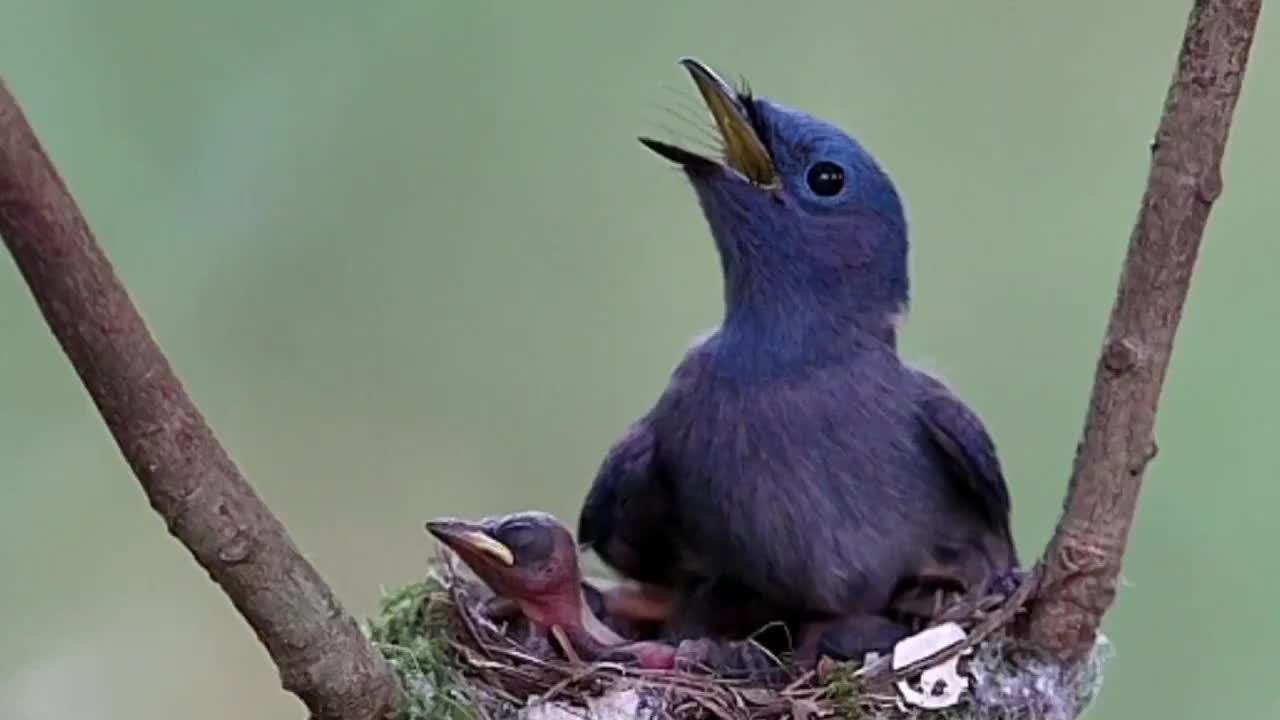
x: 410, y: 629
x: 844, y: 690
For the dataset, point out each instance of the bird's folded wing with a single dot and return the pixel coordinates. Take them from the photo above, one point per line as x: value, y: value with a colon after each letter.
x: 958, y: 432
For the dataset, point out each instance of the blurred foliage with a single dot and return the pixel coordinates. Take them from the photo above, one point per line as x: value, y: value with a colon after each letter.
x: 410, y: 261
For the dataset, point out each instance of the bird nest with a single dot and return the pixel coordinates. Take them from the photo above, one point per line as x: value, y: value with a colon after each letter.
x: 455, y: 664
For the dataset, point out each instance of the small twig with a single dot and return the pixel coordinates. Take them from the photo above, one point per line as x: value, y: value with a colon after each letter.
x: 799, y: 682
x: 467, y: 621
x: 1083, y: 561
x: 997, y: 619
x: 554, y: 691
x: 322, y: 655
x: 566, y: 647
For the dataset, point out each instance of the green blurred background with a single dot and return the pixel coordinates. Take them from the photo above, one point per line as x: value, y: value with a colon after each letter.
x: 410, y: 261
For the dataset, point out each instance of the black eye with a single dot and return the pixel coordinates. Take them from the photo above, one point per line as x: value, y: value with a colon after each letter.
x: 825, y: 178
x: 529, y: 543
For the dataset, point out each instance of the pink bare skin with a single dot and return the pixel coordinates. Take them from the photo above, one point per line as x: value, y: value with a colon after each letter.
x: 530, y: 561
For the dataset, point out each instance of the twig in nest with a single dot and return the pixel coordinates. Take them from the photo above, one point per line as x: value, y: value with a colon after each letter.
x: 998, y: 618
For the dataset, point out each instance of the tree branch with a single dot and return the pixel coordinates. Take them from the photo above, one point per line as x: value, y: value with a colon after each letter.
x: 322, y: 655
x: 1083, y: 561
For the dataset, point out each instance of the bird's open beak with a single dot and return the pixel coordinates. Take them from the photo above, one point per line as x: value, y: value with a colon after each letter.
x: 470, y: 540
x: 744, y: 151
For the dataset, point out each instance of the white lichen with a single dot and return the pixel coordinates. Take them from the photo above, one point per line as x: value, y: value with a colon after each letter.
x: 1006, y: 688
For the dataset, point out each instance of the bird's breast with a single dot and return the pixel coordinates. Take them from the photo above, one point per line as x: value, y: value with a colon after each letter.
x: 811, y: 483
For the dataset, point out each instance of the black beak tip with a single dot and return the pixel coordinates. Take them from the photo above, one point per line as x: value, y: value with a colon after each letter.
x: 685, y: 158
x: 693, y: 65
x: 442, y: 527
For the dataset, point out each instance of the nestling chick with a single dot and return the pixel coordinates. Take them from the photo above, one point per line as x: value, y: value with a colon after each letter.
x: 530, y: 559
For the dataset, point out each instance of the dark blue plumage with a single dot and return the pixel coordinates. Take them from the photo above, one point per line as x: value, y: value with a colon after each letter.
x: 794, y: 452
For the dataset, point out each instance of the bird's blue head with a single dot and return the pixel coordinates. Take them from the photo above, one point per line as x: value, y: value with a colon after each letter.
x: 810, y: 230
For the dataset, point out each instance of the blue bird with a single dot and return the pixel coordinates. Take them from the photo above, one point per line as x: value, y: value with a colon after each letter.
x: 794, y: 460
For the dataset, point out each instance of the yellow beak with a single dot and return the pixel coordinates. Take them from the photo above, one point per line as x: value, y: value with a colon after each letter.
x: 744, y: 150
x: 462, y: 536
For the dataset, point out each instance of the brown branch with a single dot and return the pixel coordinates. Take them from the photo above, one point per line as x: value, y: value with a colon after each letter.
x: 1083, y: 561
x: 207, y: 504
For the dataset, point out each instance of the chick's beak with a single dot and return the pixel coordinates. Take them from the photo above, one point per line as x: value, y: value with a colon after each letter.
x: 470, y: 539
x: 744, y: 151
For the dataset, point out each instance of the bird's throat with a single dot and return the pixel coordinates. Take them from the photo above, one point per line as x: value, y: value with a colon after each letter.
x: 763, y: 343
x: 571, y: 612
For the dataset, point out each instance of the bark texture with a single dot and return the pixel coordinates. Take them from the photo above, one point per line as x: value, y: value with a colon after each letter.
x: 1083, y: 561
x: 323, y: 656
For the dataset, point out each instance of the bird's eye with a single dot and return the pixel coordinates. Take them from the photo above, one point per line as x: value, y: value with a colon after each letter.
x: 826, y: 178
x: 527, y: 542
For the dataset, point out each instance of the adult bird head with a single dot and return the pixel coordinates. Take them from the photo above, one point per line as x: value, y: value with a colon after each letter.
x: 810, y: 230
x: 528, y: 557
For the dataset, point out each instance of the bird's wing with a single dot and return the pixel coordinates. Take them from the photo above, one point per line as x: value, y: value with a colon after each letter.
x: 626, y: 466
x: 626, y: 517
x: 963, y: 440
